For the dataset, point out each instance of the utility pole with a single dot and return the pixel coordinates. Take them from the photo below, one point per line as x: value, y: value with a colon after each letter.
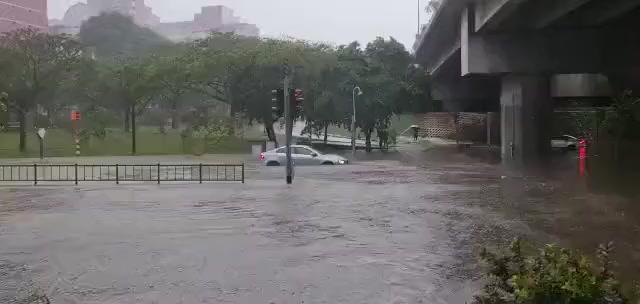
x: 419, y: 9
x: 356, y: 92
x: 353, y: 126
x: 75, y: 119
x: 41, y: 133
x: 288, y: 123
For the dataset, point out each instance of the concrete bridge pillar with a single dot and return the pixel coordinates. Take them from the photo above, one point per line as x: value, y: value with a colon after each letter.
x: 526, y: 112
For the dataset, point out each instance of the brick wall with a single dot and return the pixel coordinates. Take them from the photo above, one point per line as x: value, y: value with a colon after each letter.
x: 471, y: 126
x: 439, y: 125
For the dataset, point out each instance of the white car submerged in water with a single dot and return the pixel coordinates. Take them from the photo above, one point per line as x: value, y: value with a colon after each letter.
x: 302, y: 156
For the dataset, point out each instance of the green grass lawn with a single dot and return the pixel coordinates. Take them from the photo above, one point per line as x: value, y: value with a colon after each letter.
x: 59, y: 143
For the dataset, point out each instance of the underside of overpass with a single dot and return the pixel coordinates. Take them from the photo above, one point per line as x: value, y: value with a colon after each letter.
x: 511, y: 55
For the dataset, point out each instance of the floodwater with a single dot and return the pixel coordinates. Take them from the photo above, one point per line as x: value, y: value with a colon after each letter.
x: 402, y: 227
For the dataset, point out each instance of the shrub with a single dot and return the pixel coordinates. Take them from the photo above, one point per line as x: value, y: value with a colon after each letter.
x: 554, y: 275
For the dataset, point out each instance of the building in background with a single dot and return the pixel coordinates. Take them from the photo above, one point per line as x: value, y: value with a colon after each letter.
x: 80, y: 12
x: 214, y: 17
x: 210, y: 19
x: 143, y: 15
x: 15, y: 14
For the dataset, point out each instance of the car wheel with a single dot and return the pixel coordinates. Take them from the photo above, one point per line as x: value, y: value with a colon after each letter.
x: 273, y: 164
x: 327, y: 164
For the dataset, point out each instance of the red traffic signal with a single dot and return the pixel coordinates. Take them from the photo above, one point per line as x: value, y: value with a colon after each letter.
x: 75, y: 115
x: 299, y: 95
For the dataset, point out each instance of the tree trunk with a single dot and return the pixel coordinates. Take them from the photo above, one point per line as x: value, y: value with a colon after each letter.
x: 174, y: 116
x: 22, y: 119
x: 50, y: 115
x: 127, y: 116
x: 367, y: 134
x: 133, y: 130
x: 326, y: 129
x: 271, y: 134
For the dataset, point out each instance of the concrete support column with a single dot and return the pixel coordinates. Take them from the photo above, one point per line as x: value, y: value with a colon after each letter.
x: 526, y: 109
x: 489, y: 120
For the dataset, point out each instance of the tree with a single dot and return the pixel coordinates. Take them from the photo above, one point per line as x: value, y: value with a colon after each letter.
x: 115, y: 39
x: 622, y: 120
x: 84, y: 85
x: 327, y: 98
x: 432, y: 8
x: 243, y: 71
x: 212, y: 131
x: 555, y: 275
x: 322, y: 112
x: 3, y: 101
x: 130, y: 83
x: 175, y: 79
x: 380, y: 71
x: 33, y: 64
x: 415, y: 96
x: 115, y: 36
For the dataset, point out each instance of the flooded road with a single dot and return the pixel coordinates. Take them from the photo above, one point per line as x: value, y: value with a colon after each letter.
x: 393, y: 228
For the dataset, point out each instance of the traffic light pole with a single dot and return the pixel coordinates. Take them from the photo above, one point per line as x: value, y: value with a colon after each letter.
x: 288, y: 125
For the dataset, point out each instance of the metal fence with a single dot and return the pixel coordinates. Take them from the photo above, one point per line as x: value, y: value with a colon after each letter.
x: 122, y: 173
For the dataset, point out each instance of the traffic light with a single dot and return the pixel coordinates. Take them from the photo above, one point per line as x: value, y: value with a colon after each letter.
x: 299, y: 98
x: 297, y: 101
x: 277, y: 103
x: 75, y: 115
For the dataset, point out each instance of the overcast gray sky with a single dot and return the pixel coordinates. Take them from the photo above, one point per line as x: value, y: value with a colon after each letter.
x: 336, y: 21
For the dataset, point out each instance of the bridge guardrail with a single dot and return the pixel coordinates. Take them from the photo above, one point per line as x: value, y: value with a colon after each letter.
x: 117, y: 173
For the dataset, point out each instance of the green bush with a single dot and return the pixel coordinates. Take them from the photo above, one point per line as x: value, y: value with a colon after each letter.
x: 554, y: 275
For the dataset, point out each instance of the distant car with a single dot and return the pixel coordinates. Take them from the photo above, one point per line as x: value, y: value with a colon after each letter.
x: 564, y: 142
x: 302, y: 156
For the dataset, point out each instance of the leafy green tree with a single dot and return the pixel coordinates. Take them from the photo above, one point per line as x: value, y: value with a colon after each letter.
x: 84, y: 86
x: 432, y: 8
x: 327, y: 100
x: 129, y: 83
x: 243, y: 71
x: 3, y: 101
x: 34, y: 64
x: 212, y: 131
x: 380, y: 71
x: 554, y: 275
x: 623, y: 119
x: 116, y: 36
x: 415, y: 96
x: 176, y: 81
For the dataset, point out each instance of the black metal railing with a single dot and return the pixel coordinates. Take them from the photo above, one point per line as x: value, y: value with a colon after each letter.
x: 122, y: 173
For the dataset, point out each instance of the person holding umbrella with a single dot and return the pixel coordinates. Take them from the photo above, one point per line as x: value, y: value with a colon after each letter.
x: 416, y: 131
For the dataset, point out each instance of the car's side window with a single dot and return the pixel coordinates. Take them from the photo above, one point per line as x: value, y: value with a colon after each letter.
x: 303, y: 151
x: 281, y: 150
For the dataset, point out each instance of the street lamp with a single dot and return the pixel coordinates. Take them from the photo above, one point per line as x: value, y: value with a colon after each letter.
x: 356, y: 92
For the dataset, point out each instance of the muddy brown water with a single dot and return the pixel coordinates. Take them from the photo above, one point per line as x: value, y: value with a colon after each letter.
x: 393, y: 228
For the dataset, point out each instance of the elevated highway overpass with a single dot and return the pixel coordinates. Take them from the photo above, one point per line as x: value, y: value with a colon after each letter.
x: 514, y: 56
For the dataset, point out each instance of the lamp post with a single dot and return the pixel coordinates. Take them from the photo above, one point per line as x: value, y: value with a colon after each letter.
x: 356, y: 92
